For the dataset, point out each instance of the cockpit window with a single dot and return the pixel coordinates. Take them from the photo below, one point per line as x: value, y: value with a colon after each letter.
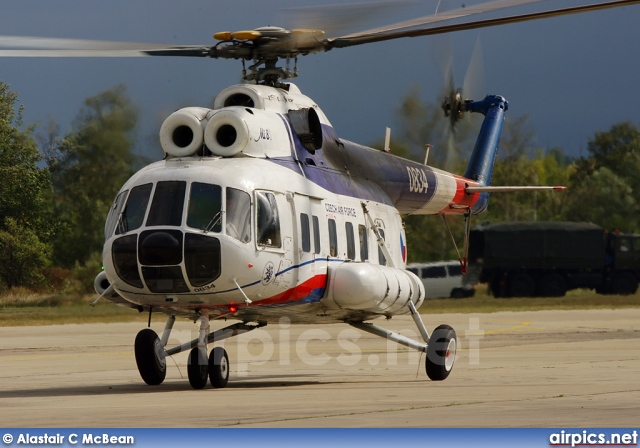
x: 132, y: 216
x: 167, y: 204
x: 268, y: 220
x: 114, y: 214
x: 238, y: 208
x: 205, y: 207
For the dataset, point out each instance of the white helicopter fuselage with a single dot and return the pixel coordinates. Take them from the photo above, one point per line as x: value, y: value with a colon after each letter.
x: 260, y: 211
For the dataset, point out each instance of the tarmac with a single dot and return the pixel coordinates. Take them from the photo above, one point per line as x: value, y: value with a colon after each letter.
x: 513, y: 369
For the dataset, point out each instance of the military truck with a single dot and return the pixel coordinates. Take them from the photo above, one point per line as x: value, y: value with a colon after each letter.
x: 546, y: 259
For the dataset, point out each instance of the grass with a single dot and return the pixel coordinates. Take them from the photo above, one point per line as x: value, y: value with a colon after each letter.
x: 19, y: 306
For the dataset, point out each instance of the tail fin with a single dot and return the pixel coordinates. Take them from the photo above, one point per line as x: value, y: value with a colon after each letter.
x: 480, y: 167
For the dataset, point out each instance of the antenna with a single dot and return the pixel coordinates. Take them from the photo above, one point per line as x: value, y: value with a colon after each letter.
x: 387, y: 139
x: 426, y: 155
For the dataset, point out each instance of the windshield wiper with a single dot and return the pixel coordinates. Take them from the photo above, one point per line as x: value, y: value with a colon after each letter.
x: 214, y: 222
x: 123, y: 224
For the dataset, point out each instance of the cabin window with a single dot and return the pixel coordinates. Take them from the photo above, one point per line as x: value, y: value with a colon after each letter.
x: 333, y: 238
x: 454, y: 270
x: 205, y: 207
x: 434, y: 272
x: 268, y: 220
x: 238, y: 224
x: 381, y: 258
x: 316, y: 234
x: 168, y: 203
x: 364, y: 243
x: 305, y: 232
x: 114, y: 214
x: 351, y: 243
x: 133, y: 214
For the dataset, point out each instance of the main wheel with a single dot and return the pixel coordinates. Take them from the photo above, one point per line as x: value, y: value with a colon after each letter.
x: 149, y: 357
x: 441, y: 353
x: 552, y: 285
x: 219, y: 367
x: 498, y: 288
x: 197, y: 369
x: 522, y: 285
x: 624, y: 283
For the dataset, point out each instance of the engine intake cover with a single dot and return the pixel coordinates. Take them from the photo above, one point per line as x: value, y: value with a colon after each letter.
x: 182, y: 133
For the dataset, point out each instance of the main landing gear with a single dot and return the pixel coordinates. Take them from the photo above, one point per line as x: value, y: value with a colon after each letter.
x: 440, y: 347
x: 151, y: 354
x: 151, y: 351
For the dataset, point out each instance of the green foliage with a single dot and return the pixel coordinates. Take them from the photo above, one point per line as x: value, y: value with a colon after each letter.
x: 604, y: 185
x: 25, y: 189
x: 26, y: 222
x: 430, y: 238
x: 89, y: 166
x: 81, y: 281
x: 22, y: 255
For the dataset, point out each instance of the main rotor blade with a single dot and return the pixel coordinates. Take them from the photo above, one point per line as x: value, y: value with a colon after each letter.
x: 465, y: 11
x: 347, y: 41
x: 26, y: 46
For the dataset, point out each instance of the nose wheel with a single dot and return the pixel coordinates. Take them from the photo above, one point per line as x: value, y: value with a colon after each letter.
x: 150, y: 357
x: 151, y: 353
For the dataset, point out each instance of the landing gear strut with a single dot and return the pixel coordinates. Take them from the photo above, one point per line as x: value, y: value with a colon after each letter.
x: 440, y: 347
x: 151, y: 354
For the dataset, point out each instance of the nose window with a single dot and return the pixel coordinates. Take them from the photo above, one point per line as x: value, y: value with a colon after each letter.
x: 133, y: 214
x: 238, y: 215
x: 168, y: 203
x: 205, y: 207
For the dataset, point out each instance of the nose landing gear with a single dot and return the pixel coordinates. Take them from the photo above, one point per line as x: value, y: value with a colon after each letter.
x: 151, y: 354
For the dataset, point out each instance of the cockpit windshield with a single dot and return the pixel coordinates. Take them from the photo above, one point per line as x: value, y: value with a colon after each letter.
x: 238, y: 207
x: 205, y: 207
x: 132, y: 216
x: 168, y: 203
x: 206, y: 210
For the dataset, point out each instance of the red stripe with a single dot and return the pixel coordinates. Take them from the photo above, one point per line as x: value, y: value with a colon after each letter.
x: 296, y: 293
x: 461, y: 198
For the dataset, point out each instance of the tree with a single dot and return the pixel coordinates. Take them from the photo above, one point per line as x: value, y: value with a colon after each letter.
x: 22, y: 255
x: 25, y: 188
x: 604, y: 185
x: 26, y: 224
x: 606, y: 199
x: 89, y: 165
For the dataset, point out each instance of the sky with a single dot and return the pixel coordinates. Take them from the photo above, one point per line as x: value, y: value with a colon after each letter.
x: 572, y: 76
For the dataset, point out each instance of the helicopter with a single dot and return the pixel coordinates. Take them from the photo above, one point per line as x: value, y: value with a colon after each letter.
x: 259, y: 210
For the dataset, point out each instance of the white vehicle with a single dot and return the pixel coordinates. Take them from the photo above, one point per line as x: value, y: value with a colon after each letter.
x: 442, y: 279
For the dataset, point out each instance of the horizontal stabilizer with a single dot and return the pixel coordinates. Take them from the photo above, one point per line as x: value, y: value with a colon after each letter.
x: 492, y: 189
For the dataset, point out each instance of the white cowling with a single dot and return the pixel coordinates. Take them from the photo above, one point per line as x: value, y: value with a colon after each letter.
x: 227, y: 133
x: 182, y: 133
x: 374, y: 288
